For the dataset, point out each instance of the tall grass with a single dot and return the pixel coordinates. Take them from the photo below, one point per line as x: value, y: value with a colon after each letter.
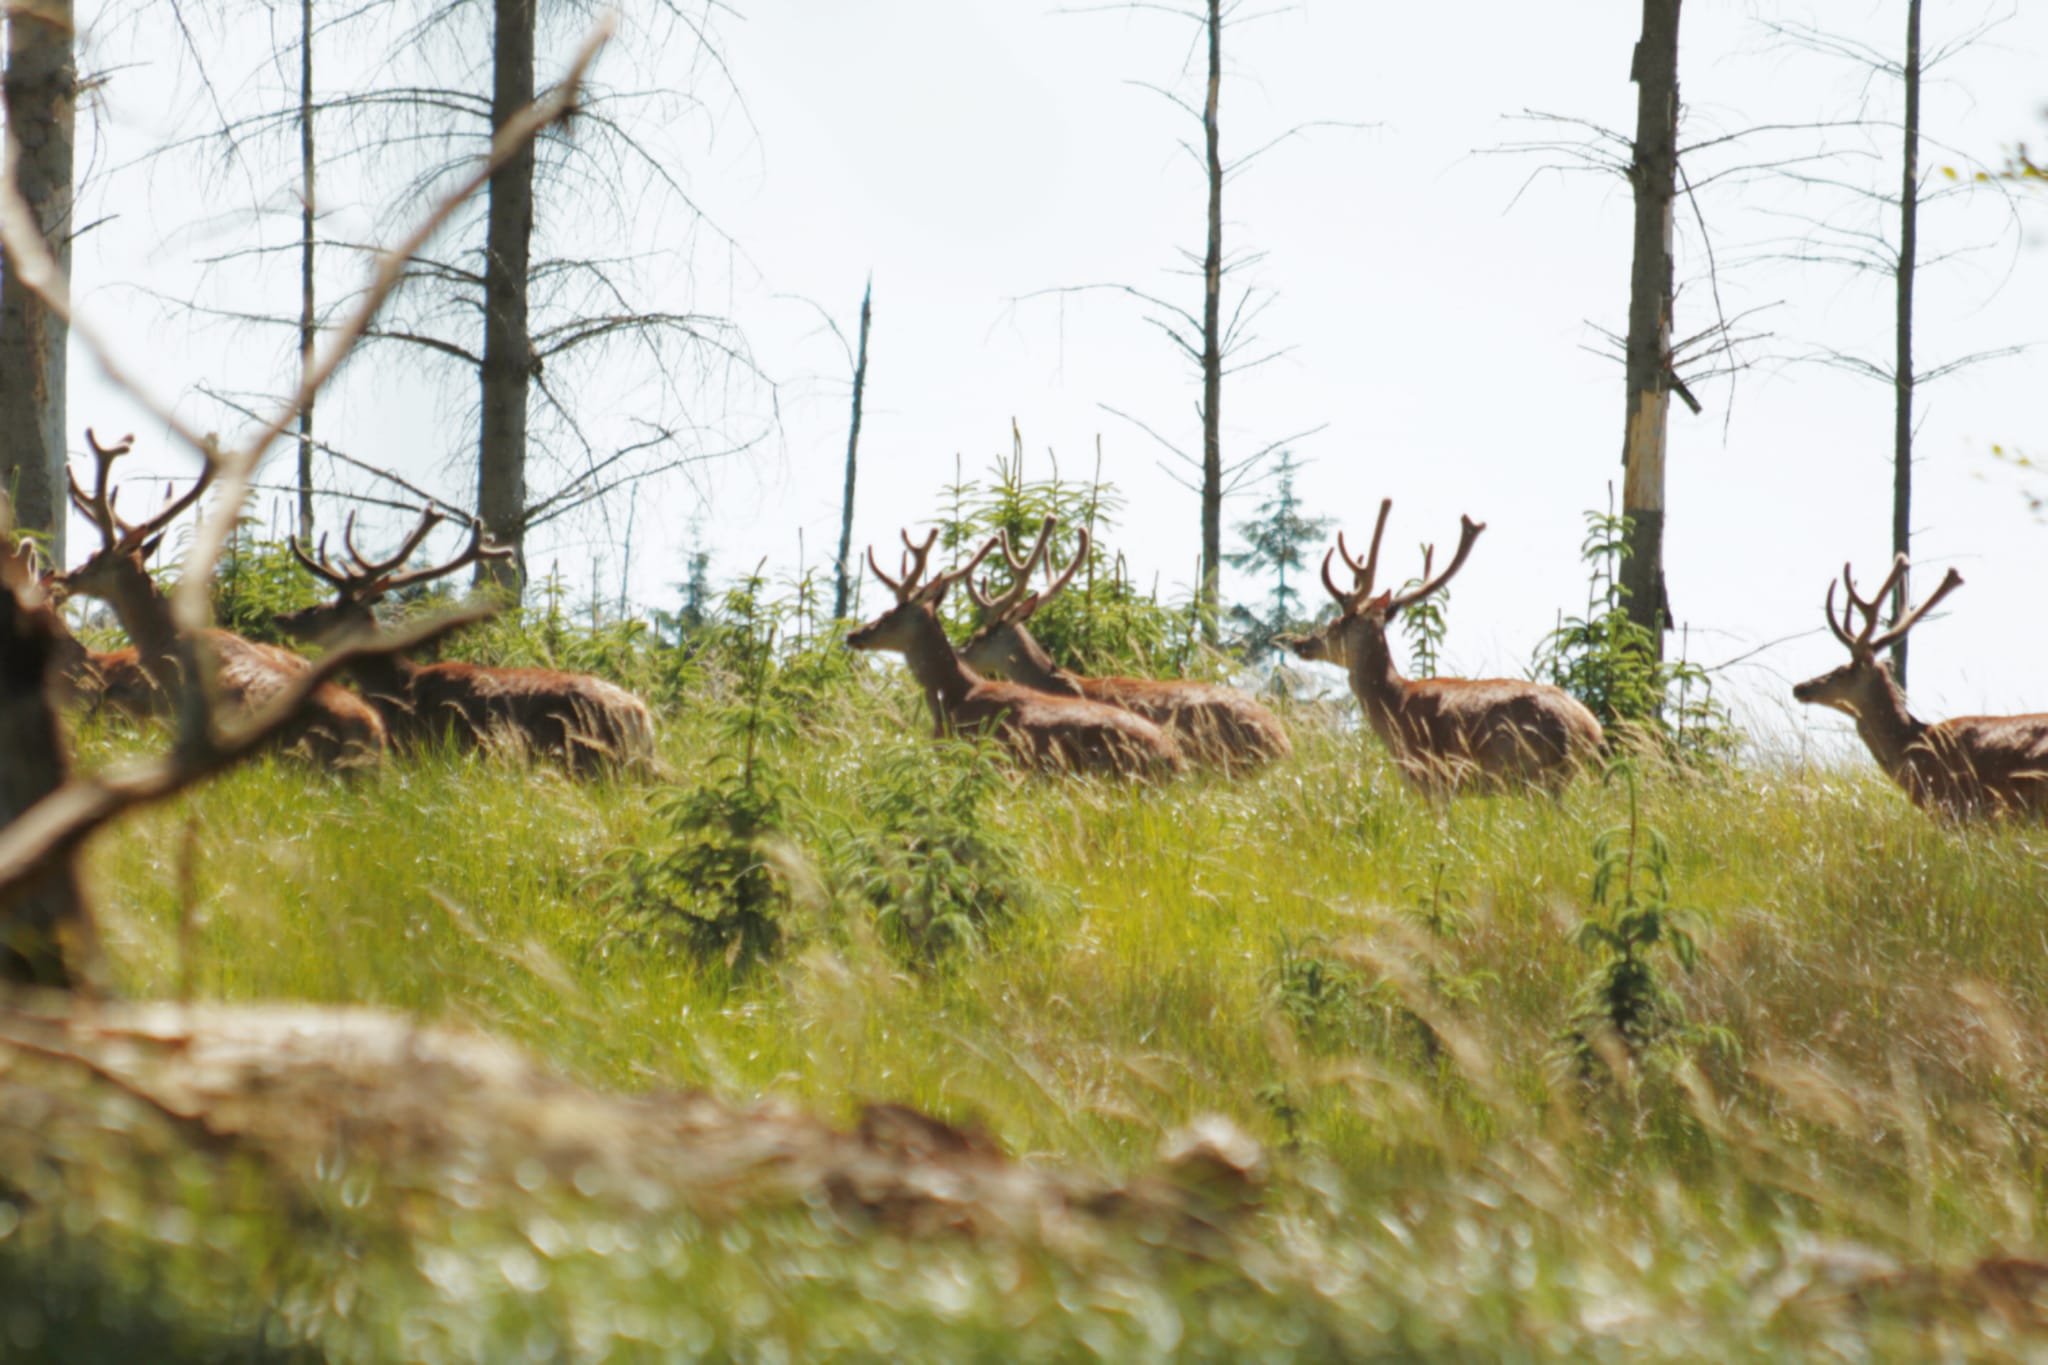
x: 1276, y: 950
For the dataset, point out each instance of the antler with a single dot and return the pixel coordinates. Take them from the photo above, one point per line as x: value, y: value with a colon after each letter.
x: 116, y: 535
x: 911, y: 572
x: 1867, y: 638
x: 1015, y: 606
x: 369, y: 580
x: 999, y: 610
x: 1362, y: 574
x: 1468, y: 532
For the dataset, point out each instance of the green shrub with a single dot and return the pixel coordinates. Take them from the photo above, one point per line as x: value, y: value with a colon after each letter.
x: 1623, y: 1001
x: 715, y: 883
x: 1102, y: 622
x: 1611, y: 662
x: 932, y: 859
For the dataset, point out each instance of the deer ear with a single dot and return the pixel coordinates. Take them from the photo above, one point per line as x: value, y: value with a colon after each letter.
x: 1383, y: 605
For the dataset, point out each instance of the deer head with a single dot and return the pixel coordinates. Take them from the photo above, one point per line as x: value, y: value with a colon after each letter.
x: 125, y: 547
x: 1362, y: 616
x: 1000, y: 646
x: 360, y: 582
x: 898, y: 628
x: 1863, y: 687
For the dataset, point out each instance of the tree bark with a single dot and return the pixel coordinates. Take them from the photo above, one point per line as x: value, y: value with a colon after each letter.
x: 1212, y: 345
x: 508, y: 366
x: 40, y: 92
x: 307, y: 324
x: 46, y: 930
x: 1654, y: 177
x: 1902, y: 365
x: 842, y: 590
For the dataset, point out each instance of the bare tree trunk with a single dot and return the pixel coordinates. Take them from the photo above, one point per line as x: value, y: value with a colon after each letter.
x: 40, y: 91
x: 1212, y: 347
x: 46, y: 929
x: 1654, y: 176
x: 508, y: 350
x: 307, y: 326
x: 842, y: 590
x: 1902, y: 365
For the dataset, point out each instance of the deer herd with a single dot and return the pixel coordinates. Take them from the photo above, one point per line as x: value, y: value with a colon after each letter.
x: 1444, y: 734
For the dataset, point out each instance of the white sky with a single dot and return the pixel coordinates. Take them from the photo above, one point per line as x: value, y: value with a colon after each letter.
x: 971, y: 151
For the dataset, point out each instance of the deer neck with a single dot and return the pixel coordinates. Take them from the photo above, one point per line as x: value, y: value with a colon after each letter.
x: 938, y: 670
x: 1375, y: 680
x: 1888, y: 729
x: 145, y: 614
x: 1036, y: 670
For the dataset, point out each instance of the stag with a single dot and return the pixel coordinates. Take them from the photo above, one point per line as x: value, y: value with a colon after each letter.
x: 1046, y: 731
x: 1961, y: 769
x: 335, y: 727
x: 1446, y: 733
x: 588, y: 725
x: 1216, y: 726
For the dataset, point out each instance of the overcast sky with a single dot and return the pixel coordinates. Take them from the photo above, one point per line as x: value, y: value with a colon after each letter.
x: 970, y: 152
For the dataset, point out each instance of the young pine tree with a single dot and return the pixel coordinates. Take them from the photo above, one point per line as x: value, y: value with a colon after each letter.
x: 1277, y: 542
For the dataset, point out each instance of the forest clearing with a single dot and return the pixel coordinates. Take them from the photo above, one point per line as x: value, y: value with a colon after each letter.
x: 979, y: 943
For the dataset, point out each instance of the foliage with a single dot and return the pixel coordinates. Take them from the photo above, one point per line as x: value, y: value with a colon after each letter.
x: 1275, y: 540
x: 1880, y: 971
x: 1101, y: 623
x: 1425, y: 623
x: 1611, y: 663
x: 1624, y: 1001
x: 1323, y: 996
x: 714, y: 883
x: 256, y: 580
x: 929, y: 855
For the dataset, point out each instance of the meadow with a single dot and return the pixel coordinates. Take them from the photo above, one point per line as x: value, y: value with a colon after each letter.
x: 1820, y: 1140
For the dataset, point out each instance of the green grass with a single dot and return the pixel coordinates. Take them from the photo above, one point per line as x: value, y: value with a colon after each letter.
x: 1444, y: 1191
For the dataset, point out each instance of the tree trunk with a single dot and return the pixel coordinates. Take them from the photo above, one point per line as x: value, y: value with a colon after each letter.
x: 1902, y: 366
x: 1654, y: 177
x: 1212, y: 346
x: 307, y: 328
x: 46, y: 929
x: 842, y: 591
x: 508, y: 350
x: 40, y: 92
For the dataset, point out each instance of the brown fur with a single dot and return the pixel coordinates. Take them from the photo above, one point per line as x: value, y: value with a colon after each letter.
x: 335, y: 727
x: 1045, y: 731
x: 1961, y: 769
x: 586, y: 724
x: 1216, y: 726
x: 1447, y: 733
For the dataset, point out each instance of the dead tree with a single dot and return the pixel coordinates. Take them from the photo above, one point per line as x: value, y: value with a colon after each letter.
x: 842, y: 591
x: 309, y: 317
x: 1216, y: 339
x: 508, y: 361
x: 1850, y: 232
x: 41, y: 97
x: 1653, y: 175
x: 527, y: 309
x: 45, y: 926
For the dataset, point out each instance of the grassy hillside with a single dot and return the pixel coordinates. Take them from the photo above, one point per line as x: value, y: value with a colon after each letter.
x: 1831, y: 1147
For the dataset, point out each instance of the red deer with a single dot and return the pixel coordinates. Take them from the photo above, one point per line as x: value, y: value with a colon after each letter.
x: 335, y: 727
x: 586, y: 724
x: 1217, y: 726
x: 1048, y: 732
x: 1963, y: 768
x: 1446, y: 733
